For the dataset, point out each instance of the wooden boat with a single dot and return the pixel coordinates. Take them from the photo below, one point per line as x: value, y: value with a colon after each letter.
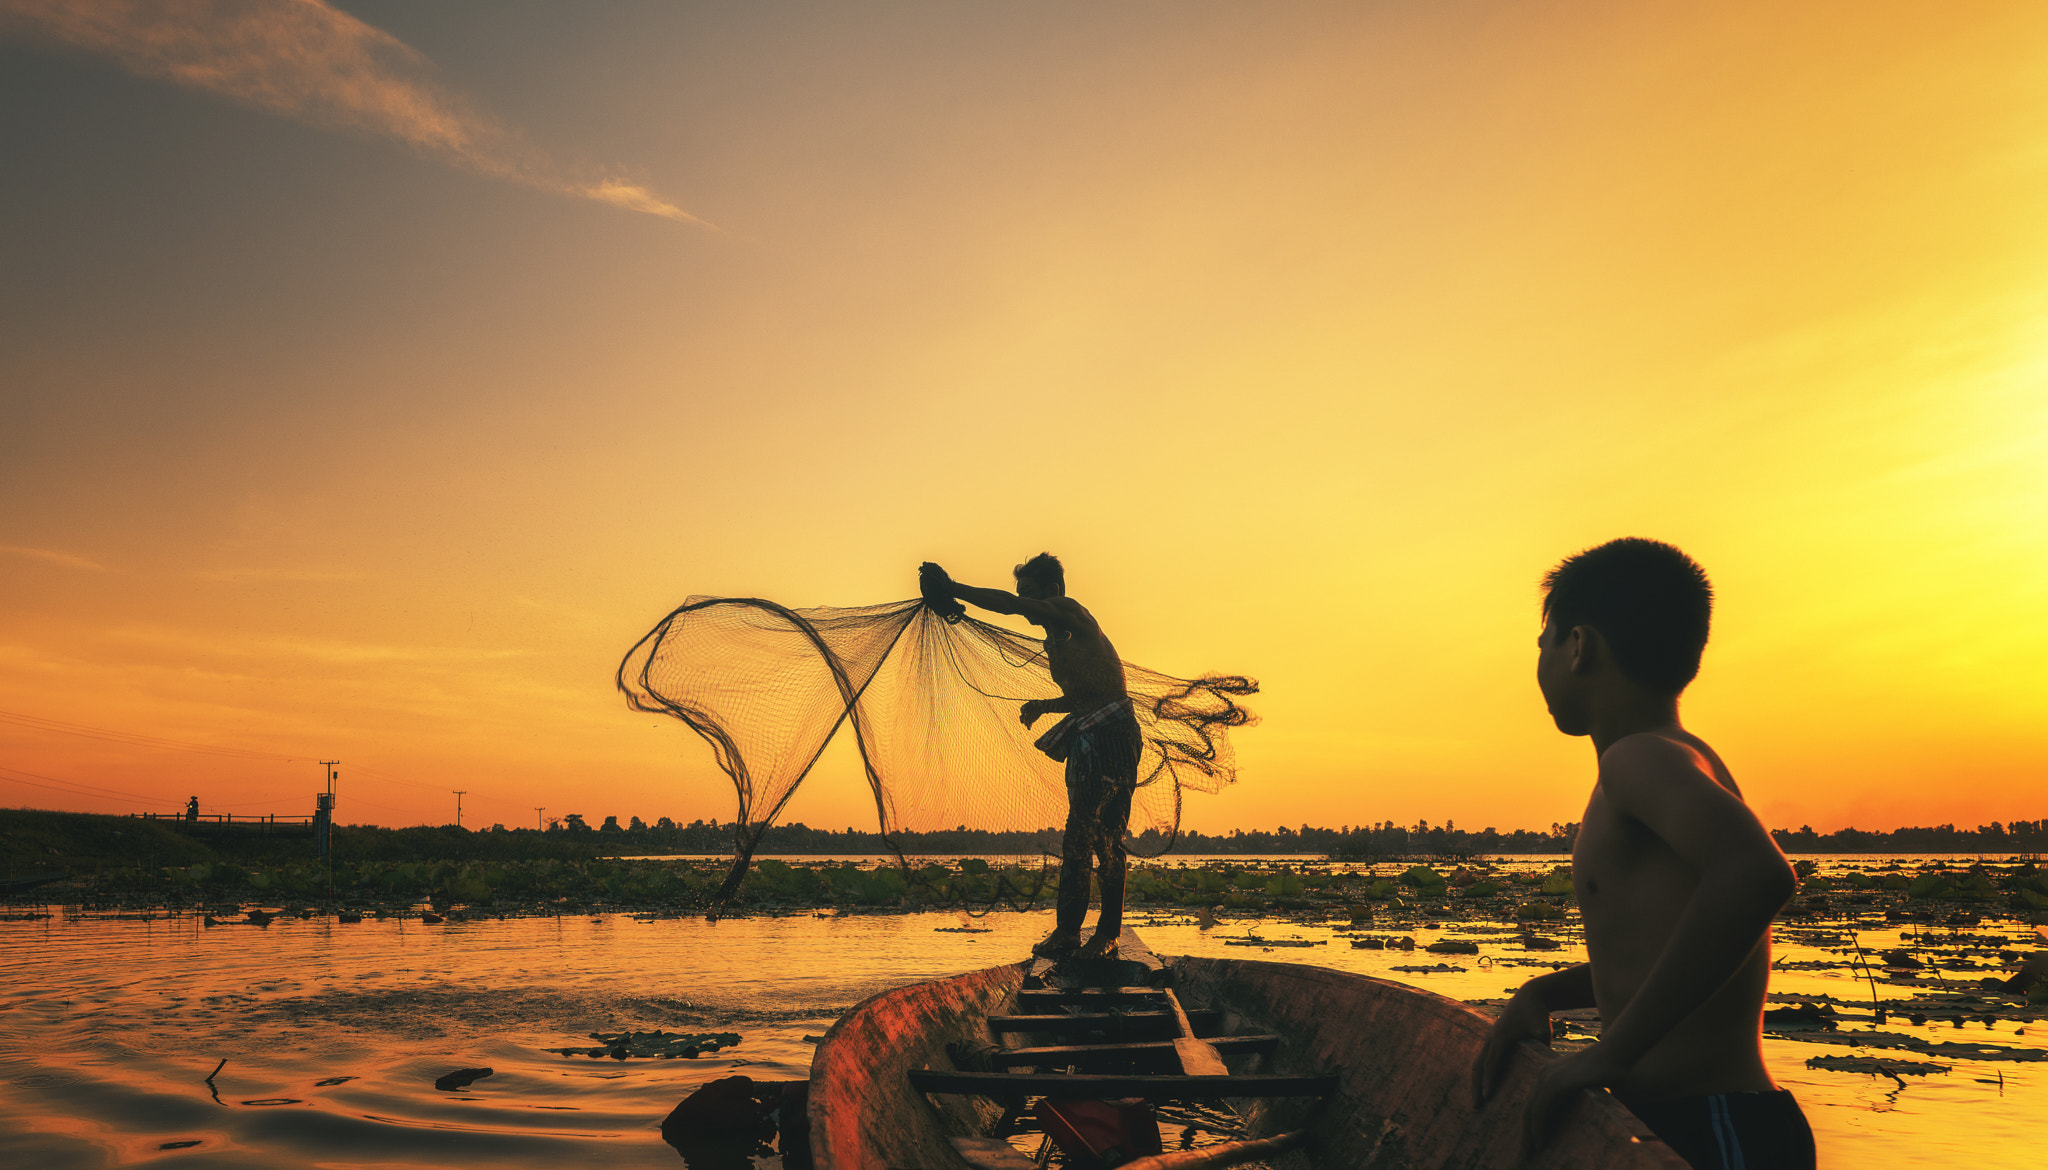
x: 1372, y: 1074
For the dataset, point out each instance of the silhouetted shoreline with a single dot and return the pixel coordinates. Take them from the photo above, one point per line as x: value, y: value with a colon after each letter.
x: 36, y: 841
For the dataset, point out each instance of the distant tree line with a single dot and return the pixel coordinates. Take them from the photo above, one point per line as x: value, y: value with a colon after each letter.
x: 1996, y: 837
x: 1350, y: 842
x: 1366, y: 841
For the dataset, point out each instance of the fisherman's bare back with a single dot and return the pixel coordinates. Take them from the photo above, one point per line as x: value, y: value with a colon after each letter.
x: 1084, y: 664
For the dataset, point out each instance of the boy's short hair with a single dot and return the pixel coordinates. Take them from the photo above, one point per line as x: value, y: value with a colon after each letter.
x: 1044, y: 569
x: 1650, y: 601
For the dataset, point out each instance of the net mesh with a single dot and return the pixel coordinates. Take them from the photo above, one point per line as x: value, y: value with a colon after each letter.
x: 932, y: 697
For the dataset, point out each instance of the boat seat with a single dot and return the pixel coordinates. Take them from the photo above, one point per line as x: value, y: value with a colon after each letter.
x: 1095, y: 1056
x: 1147, y: 1025
x: 1070, y: 996
x: 1165, y: 1087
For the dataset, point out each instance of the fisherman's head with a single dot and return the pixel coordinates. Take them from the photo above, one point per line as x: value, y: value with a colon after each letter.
x: 1632, y: 613
x: 1041, y: 577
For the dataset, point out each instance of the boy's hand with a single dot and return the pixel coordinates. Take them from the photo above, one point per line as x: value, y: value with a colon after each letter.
x: 1557, y: 1089
x: 1523, y: 1019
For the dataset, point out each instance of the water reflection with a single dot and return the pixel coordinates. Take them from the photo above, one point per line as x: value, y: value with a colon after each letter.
x: 335, y: 1037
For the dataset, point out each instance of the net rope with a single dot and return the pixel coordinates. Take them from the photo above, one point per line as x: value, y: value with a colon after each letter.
x: 931, y: 695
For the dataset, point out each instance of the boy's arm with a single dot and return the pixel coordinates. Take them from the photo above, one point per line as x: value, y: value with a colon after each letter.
x: 1527, y: 1017
x: 1744, y: 882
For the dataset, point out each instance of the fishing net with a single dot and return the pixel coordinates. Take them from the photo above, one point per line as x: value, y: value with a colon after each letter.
x: 932, y: 697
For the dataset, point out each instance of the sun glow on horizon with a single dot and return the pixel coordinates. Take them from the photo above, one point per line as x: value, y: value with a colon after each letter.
x: 1309, y: 338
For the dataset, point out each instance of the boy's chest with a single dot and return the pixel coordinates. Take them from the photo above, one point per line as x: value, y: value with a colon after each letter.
x: 1609, y: 848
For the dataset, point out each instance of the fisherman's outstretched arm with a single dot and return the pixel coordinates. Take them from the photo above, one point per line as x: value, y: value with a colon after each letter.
x: 1038, y: 613
x: 996, y: 600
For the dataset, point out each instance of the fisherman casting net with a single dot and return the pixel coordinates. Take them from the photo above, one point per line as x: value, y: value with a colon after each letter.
x: 932, y: 698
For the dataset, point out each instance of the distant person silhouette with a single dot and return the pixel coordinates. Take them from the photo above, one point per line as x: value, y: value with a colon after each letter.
x: 192, y: 810
x: 1098, y: 741
x: 1677, y: 881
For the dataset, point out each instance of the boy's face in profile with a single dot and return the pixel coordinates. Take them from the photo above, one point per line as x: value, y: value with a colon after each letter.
x: 1563, y: 691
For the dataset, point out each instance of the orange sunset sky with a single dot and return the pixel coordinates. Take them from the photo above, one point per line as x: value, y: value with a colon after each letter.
x: 372, y: 376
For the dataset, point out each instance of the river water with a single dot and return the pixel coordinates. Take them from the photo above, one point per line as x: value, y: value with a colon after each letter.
x: 333, y: 1035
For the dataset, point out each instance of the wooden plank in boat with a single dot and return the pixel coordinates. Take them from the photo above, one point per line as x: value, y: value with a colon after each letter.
x: 1164, y: 1022
x: 1154, y: 1088
x: 1197, y: 1058
x: 1217, y: 1157
x: 1053, y: 997
x: 1086, y: 1054
x: 1133, y: 960
x: 1132, y: 949
x: 984, y: 1153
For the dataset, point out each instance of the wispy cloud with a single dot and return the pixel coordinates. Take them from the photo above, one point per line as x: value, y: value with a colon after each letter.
x: 217, y: 644
x: 53, y: 556
x: 309, y: 576
x: 305, y: 60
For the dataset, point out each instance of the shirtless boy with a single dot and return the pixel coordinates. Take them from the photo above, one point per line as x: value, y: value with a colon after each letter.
x: 1677, y: 881
x: 1098, y: 740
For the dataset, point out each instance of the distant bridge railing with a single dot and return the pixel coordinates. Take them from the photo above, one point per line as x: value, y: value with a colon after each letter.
x: 268, y: 825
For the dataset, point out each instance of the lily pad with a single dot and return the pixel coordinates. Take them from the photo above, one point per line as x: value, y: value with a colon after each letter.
x: 665, y: 1045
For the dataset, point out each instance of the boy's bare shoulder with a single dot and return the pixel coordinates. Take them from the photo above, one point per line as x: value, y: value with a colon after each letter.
x: 1655, y: 763
x: 1653, y: 749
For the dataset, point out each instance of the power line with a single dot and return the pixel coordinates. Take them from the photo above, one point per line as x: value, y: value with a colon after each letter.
x: 73, y: 786
x: 176, y: 745
x: 395, y: 779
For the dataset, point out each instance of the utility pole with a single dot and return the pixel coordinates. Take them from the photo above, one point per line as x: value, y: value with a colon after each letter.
x: 536, y: 818
x: 323, y: 813
x: 458, y: 807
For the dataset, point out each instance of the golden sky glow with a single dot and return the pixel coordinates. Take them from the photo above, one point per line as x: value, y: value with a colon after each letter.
x: 1309, y: 336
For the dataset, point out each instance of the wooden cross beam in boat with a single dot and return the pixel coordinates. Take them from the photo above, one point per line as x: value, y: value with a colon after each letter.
x: 1164, y: 1025
x: 1090, y: 996
x: 1096, y: 1056
x: 1151, y: 1088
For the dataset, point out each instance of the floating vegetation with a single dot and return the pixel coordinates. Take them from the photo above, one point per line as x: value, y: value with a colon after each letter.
x: 1965, y: 1050
x: 1881, y: 1066
x: 664, y: 1045
x: 1802, y: 1015
x: 462, y: 1078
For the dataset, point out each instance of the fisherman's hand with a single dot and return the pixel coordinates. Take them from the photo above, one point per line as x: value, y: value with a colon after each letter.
x: 937, y: 590
x: 1028, y: 714
x: 1523, y: 1019
x: 1557, y: 1089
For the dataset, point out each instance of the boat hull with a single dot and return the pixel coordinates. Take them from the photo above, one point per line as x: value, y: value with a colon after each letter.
x: 1403, y: 1055
x: 864, y: 1113
x: 1404, y: 1059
